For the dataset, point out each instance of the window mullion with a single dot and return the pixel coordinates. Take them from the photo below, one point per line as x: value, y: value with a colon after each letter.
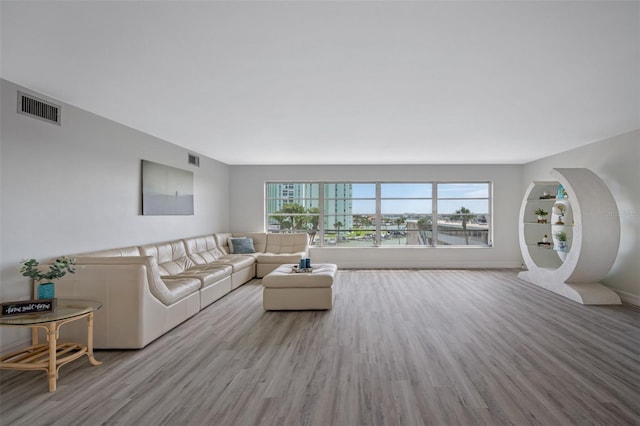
x: 490, y: 221
x: 434, y: 214
x: 321, y: 213
x: 378, y: 239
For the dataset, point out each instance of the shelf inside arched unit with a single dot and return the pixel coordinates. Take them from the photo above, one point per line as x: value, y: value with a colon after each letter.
x: 562, y: 227
x: 582, y: 218
x: 535, y: 228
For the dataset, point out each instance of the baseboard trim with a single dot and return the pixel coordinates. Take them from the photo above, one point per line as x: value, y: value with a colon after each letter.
x: 628, y: 298
x: 435, y: 265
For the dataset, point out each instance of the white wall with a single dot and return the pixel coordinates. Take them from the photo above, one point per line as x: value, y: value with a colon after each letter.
x: 247, y: 205
x: 76, y: 188
x: 617, y: 162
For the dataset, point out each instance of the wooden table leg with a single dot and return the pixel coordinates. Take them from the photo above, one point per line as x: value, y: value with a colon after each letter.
x: 52, y: 373
x: 92, y: 359
x: 34, y: 336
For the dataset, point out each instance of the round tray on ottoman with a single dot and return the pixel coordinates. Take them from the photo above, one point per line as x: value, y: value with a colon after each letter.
x: 285, y: 289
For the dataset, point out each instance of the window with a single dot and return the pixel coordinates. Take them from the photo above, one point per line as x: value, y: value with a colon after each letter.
x: 293, y: 207
x: 404, y: 207
x: 349, y: 214
x: 463, y: 214
x: 396, y: 214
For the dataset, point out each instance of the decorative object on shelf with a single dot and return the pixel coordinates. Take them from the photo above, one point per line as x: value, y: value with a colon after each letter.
x: 562, y: 240
x: 58, y: 269
x: 545, y: 242
x: 559, y: 211
x: 541, y: 213
x: 562, y: 193
x: 546, y: 196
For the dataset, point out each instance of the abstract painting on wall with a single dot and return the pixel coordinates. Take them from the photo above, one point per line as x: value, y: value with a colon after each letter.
x: 166, y: 190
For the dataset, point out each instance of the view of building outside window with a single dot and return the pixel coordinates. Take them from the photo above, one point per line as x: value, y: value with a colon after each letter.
x: 293, y: 207
x: 370, y: 214
x: 349, y: 215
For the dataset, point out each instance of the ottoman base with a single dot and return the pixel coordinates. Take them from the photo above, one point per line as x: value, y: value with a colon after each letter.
x: 297, y: 299
x: 286, y: 290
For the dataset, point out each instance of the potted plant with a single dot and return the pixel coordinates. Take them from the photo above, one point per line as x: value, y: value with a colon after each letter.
x: 58, y: 269
x: 541, y: 213
x: 562, y: 240
x: 559, y: 211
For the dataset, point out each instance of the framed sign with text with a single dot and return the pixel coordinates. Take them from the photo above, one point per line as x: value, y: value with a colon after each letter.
x: 24, y: 307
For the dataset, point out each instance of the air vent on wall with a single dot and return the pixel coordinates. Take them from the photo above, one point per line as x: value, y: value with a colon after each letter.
x: 194, y: 159
x: 38, y: 108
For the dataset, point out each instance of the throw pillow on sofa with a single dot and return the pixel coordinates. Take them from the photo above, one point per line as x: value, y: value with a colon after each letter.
x: 242, y: 245
x: 230, y: 243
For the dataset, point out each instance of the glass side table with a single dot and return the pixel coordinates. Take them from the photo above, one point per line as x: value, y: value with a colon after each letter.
x: 52, y: 355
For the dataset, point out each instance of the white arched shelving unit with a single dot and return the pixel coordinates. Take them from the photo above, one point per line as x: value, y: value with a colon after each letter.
x: 588, y: 217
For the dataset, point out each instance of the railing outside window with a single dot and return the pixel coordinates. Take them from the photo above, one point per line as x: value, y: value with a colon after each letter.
x: 463, y: 214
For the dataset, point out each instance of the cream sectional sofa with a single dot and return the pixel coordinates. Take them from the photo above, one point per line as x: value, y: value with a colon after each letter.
x: 272, y: 250
x: 148, y: 290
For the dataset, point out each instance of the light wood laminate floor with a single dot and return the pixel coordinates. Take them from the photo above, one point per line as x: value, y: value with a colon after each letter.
x: 405, y: 347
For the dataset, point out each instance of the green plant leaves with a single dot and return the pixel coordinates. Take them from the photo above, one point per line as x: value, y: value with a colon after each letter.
x: 60, y: 267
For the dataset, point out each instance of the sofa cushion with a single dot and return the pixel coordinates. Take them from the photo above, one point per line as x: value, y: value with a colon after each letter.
x: 177, y: 288
x: 228, y: 269
x: 237, y: 261
x: 242, y: 245
x: 171, y: 256
x: 287, y: 243
x: 208, y: 274
x: 202, y: 250
x: 281, y: 258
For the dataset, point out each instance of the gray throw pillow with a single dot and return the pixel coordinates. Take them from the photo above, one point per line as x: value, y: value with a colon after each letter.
x: 242, y: 245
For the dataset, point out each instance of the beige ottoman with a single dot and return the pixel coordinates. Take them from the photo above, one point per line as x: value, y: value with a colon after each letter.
x: 298, y: 291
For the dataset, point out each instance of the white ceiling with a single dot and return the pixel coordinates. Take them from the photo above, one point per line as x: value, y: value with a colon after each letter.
x: 358, y: 82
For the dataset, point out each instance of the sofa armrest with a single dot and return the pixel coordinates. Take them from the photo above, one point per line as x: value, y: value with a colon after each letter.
x: 156, y: 285
x: 131, y: 291
x: 130, y: 316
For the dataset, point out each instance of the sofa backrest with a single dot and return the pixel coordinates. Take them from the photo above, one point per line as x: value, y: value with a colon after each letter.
x: 171, y: 256
x: 222, y: 241
x: 287, y: 243
x: 202, y: 250
x: 259, y: 239
x: 116, y: 252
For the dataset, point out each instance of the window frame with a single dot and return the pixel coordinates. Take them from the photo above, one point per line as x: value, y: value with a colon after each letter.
x: 377, y: 242
x: 489, y: 199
